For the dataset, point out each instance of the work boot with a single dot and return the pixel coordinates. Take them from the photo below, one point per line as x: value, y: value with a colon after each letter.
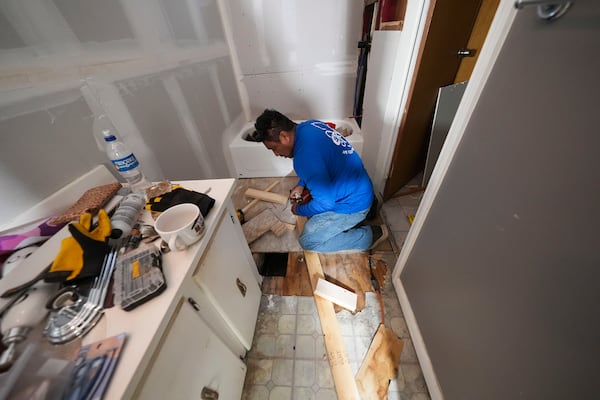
x: 380, y: 234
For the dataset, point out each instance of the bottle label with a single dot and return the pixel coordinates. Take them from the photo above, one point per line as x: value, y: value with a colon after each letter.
x: 126, y: 163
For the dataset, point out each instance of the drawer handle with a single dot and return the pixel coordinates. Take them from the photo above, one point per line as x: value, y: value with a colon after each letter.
x: 209, y: 394
x: 241, y: 286
x: 193, y: 303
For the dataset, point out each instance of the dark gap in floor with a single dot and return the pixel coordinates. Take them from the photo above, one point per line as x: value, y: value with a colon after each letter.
x: 274, y: 264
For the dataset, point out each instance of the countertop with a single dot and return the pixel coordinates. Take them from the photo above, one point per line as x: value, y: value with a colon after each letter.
x: 145, y: 324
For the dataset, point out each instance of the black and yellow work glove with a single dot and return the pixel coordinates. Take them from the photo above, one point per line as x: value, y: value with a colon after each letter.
x: 180, y: 195
x: 82, y: 254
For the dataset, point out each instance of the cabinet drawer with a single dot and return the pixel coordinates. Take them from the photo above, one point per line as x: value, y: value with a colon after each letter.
x: 225, y: 276
x: 190, y: 358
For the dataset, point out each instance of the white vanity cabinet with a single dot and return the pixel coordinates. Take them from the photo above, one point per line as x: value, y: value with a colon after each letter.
x: 194, y: 335
x: 192, y: 360
x: 230, y: 294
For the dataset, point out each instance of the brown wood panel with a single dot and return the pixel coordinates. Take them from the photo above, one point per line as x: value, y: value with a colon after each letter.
x: 447, y: 30
x: 480, y: 29
x: 380, y: 365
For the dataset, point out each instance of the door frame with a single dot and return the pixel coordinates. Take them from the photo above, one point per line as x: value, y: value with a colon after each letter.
x: 497, y: 34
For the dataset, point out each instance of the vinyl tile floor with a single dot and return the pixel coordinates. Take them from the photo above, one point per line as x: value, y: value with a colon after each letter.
x: 288, y: 359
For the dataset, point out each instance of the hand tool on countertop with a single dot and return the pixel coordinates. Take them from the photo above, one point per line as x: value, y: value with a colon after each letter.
x: 241, y: 213
x: 77, y: 319
x: 26, y: 313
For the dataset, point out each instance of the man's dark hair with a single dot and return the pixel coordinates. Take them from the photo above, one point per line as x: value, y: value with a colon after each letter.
x: 268, y: 126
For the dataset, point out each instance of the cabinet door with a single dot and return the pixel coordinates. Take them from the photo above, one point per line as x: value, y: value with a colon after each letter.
x: 191, y: 358
x: 225, y: 275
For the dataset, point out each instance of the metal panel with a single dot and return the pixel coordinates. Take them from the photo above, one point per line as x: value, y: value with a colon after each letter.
x: 447, y: 103
x: 503, y: 276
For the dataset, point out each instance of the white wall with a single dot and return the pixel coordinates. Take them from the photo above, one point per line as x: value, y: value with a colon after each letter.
x: 176, y: 77
x: 160, y: 69
x: 297, y: 56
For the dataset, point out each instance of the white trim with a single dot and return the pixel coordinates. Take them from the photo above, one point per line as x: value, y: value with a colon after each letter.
x: 388, y: 120
x: 499, y: 29
x: 412, y: 35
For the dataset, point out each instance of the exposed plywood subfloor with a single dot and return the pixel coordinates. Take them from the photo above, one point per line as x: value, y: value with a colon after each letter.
x: 348, y: 270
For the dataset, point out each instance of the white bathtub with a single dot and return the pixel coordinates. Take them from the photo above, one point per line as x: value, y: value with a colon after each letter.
x: 253, y: 160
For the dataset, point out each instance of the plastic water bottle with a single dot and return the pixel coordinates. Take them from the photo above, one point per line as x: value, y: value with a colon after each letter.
x: 126, y: 215
x: 122, y: 158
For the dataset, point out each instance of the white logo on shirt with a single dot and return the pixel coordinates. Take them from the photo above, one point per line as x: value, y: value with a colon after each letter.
x: 336, y: 137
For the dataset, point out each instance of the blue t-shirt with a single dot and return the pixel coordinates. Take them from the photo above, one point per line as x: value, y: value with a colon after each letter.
x: 331, y: 169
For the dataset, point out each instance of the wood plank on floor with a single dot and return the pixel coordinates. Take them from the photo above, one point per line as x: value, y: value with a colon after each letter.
x: 343, y: 377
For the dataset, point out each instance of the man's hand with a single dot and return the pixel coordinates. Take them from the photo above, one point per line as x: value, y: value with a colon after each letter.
x: 294, y: 206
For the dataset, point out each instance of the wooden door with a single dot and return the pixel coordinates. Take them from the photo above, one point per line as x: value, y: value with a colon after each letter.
x: 448, y: 30
x: 484, y: 19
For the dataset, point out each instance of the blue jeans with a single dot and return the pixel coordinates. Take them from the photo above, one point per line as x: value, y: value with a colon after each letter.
x: 330, y: 232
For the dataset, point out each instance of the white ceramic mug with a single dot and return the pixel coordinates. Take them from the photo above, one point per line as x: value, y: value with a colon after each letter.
x: 180, y: 226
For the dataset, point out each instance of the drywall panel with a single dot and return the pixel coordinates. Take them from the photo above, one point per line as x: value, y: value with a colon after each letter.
x: 445, y: 108
x: 278, y: 36
x: 9, y: 38
x: 193, y: 22
x: 302, y: 95
x: 157, y: 119
x: 297, y: 56
x: 212, y: 99
x: 43, y: 150
x: 159, y: 69
x: 503, y: 274
x: 95, y: 21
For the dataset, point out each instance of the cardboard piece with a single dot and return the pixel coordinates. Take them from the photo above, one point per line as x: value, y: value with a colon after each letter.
x: 380, y: 365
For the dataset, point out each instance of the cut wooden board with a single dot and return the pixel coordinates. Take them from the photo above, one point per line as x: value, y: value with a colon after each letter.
x: 255, y: 201
x: 266, y: 196
x: 281, y: 227
x: 350, y: 271
x: 380, y: 365
x: 259, y: 225
x: 336, y: 294
x: 343, y: 378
